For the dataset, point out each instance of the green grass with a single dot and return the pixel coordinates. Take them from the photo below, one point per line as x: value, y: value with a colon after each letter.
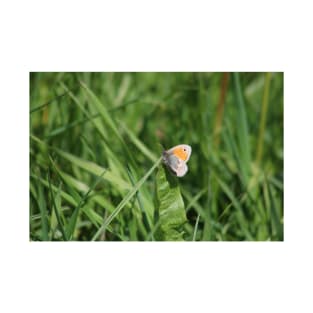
x: 96, y: 141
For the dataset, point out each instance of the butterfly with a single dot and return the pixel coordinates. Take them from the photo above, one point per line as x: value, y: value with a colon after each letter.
x: 176, y: 158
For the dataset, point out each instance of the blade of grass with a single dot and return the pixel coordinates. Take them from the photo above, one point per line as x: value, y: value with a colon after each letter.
x: 42, y: 106
x: 126, y: 199
x: 73, y: 220
x: 139, y: 144
x: 147, y: 223
x: 98, y: 124
x: 69, y: 229
x: 220, y: 110
x: 275, y: 214
x: 89, y: 166
x: 111, y: 125
x: 240, y: 214
x: 264, y: 110
x: 193, y: 202
x: 196, y: 228
x: 94, y: 217
x: 43, y: 213
x: 56, y: 208
x: 109, y: 121
x: 95, y: 169
x: 82, y: 187
x: 242, y: 129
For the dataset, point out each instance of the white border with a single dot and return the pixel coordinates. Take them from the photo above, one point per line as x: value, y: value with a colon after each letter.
x: 156, y: 36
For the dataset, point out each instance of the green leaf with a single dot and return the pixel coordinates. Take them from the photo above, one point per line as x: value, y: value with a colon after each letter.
x: 170, y: 207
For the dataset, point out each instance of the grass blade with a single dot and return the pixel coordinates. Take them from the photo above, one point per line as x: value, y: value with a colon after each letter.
x: 220, y: 110
x: 94, y: 217
x: 242, y: 128
x: 128, y: 197
x: 240, y: 214
x: 138, y: 143
x: 43, y: 213
x: 57, y: 208
x: 275, y: 214
x: 196, y: 228
x: 89, y: 166
x: 146, y: 220
x: 264, y: 110
x: 95, y: 169
x: 73, y: 220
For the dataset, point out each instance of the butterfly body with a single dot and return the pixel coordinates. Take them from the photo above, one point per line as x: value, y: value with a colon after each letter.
x: 176, y: 158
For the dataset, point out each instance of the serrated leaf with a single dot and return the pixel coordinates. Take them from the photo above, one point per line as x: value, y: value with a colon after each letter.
x: 170, y: 207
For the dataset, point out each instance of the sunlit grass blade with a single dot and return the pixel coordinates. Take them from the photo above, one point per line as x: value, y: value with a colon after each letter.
x: 203, y: 212
x: 126, y: 199
x: 95, y: 169
x: 146, y: 221
x: 196, y: 228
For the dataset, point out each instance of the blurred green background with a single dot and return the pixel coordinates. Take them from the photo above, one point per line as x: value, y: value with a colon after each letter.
x: 95, y: 146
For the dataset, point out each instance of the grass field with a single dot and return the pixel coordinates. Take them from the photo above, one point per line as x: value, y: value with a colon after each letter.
x: 96, y: 141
